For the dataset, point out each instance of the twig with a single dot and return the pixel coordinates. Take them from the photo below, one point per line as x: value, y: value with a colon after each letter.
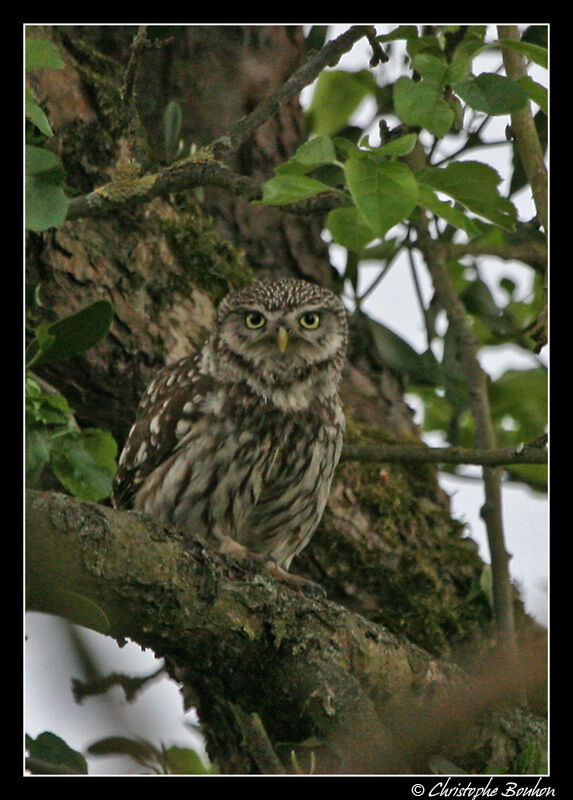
x: 131, y: 685
x: 128, y: 83
x: 415, y: 453
x: 329, y: 55
x: 257, y: 741
x: 528, y: 248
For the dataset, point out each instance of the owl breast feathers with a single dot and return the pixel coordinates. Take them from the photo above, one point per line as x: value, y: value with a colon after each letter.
x: 237, y: 445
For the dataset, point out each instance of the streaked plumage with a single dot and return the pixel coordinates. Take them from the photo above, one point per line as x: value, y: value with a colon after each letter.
x: 237, y: 445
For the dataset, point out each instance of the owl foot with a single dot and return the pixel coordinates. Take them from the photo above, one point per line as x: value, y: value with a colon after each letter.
x: 304, y: 584
x: 232, y: 548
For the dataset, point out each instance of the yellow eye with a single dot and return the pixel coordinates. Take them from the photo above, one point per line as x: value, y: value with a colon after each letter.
x: 254, y: 320
x: 310, y: 320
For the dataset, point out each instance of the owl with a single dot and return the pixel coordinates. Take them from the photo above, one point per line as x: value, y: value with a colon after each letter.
x: 237, y: 444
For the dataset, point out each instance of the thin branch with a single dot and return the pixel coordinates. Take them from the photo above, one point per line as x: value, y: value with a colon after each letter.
x: 523, y: 128
x: 138, y: 45
x: 327, y: 56
x: 531, y: 155
x: 415, y: 453
x: 526, y: 248
x: 418, y: 291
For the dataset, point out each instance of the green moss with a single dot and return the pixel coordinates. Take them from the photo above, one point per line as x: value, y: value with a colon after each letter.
x: 210, y: 262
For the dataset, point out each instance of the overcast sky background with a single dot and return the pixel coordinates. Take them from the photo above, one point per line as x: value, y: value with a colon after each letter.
x: 157, y: 714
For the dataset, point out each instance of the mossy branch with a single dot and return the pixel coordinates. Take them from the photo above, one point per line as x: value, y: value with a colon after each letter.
x: 263, y: 663
x: 207, y: 167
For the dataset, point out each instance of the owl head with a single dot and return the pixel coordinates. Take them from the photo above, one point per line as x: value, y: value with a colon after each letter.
x: 287, y: 335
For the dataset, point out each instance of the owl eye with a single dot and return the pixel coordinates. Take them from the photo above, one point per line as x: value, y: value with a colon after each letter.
x: 310, y: 320
x: 254, y: 320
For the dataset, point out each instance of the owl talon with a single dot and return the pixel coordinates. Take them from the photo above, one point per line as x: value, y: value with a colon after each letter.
x: 306, y: 585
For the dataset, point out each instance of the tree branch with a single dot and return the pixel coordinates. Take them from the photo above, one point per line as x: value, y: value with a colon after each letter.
x: 415, y: 453
x: 260, y: 659
x: 206, y: 168
x: 234, y: 634
x: 531, y: 156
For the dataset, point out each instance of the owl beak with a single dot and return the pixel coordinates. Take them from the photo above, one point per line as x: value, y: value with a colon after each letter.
x: 282, y: 339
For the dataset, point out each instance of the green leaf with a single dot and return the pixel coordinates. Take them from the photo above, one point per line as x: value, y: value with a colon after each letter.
x: 42, y: 54
x: 421, y: 103
x: 533, y: 52
x: 290, y: 189
x: 73, y: 334
x: 401, y: 32
x: 102, y: 447
x: 38, y: 449
x: 46, y: 202
x: 464, y: 54
x: 44, y: 164
x: 317, y: 152
x: 396, y: 147
x: 184, y: 761
x: 348, y: 228
x: 82, y: 610
x: 337, y: 95
x: 46, y: 205
x: 521, y: 395
x: 535, y: 92
x: 78, y: 470
x: 493, y: 94
x: 385, y: 193
x: 172, y: 121
x: 395, y: 353
x: 140, y: 750
x: 46, y: 408
x: 52, y: 749
x: 447, y: 211
x: 474, y: 185
x: 36, y: 115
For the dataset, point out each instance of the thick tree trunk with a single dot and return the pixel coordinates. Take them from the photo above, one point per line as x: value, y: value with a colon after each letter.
x: 388, y: 547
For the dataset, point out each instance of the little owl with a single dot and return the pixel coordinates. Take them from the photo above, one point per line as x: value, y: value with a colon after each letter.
x: 237, y: 445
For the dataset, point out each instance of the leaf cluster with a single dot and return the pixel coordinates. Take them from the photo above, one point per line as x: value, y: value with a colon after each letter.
x: 383, y: 189
x: 46, y: 200
x: 160, y: 760
x: 83, y: 460
x: 50, y: 754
